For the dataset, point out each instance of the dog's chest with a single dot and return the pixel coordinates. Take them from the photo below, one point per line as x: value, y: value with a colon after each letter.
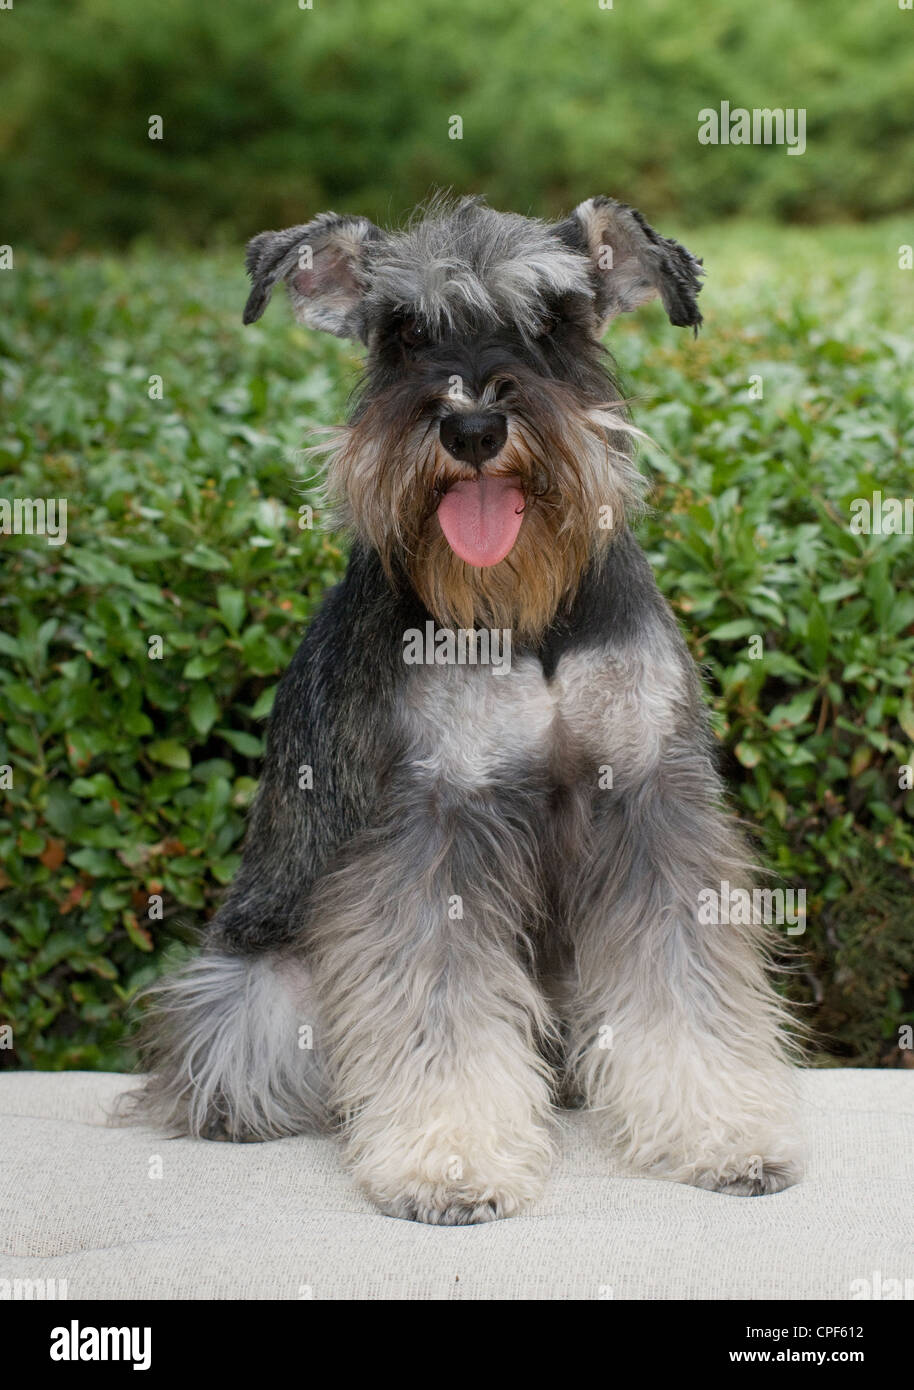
x: 472, y: 725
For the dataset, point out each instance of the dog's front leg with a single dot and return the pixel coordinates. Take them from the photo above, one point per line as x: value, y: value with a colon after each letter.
x: 431, y: 1018
x: 675, y: 1031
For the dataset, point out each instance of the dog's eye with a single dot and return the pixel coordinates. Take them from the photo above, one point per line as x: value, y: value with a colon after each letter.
x: 412, y: 334
x: 548, y: 326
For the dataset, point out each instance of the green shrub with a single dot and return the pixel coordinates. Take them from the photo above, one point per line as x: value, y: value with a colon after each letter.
x: 132, y: 775
x: 272, y: 113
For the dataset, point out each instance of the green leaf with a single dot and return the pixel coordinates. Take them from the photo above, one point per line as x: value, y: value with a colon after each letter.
x: 225, y: 869
x: 203, y: 711
x: 263, y: 705
x: 831, y: 593
x: 169, y: 752
x: 818, y: 633
x: 794, y: 712
x: 739, y: 627
x: 748, y: 754
x: 31, y: 843
x: 201, y: 557
x: 243, y: 743
x: 98, y: 863
x: 199, y: 667
x: 98, y: 785
x: 232, y: 606
x: 906, y: 718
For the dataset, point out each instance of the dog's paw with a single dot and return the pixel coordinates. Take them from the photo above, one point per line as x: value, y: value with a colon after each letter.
x: 753, y: 1176
x: 218, y: 1131
x: 452, y: 1177
x: 455, y: 1200
x: 445, y: 1206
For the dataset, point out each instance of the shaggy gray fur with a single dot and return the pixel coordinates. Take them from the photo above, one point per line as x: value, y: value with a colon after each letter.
x: 486, y: 898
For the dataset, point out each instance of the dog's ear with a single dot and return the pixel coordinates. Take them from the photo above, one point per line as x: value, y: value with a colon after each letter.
x: 631, y: 263
x: 324, y: 266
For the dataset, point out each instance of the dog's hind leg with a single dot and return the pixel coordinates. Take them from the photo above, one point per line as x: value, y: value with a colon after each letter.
x: 226, y: 1038
x: 232, y: 1046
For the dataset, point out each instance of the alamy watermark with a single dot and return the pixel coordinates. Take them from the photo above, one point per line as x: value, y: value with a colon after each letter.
x: 882, y: 516
x: 878, y: 1289
x: 728, y: 906
x: 83, y: 1343
x: 32, y: 1290
x: 35, y: 516
x: 760, y: 126
x: 463, y: 646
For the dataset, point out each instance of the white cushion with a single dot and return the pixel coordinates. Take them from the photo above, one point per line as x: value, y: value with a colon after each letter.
x: 283, y: 1220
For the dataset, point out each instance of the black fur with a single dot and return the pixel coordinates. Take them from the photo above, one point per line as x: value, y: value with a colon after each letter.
x: 331, y: 714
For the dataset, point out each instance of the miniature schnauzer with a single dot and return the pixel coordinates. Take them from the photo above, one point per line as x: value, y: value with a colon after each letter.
x: 470, y: 893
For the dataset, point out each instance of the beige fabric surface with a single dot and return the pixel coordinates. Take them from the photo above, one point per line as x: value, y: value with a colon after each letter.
x: 283, y: 1221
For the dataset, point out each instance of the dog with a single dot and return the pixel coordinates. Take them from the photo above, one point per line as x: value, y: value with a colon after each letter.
x: 469, y: 890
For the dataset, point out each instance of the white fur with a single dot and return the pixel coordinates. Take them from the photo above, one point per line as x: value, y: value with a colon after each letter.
x: 617, y: 707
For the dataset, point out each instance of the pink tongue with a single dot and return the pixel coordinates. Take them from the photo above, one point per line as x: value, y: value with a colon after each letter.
x: 480, y: 519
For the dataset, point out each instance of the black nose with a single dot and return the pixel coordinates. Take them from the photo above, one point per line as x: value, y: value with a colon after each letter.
x: 474, y: 437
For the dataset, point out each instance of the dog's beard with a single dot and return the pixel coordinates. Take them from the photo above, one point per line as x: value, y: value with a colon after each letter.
x: 571, y: 462
x: 538, y: 575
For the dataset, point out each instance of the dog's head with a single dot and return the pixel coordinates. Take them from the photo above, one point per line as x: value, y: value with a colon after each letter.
x: 489, y: 453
